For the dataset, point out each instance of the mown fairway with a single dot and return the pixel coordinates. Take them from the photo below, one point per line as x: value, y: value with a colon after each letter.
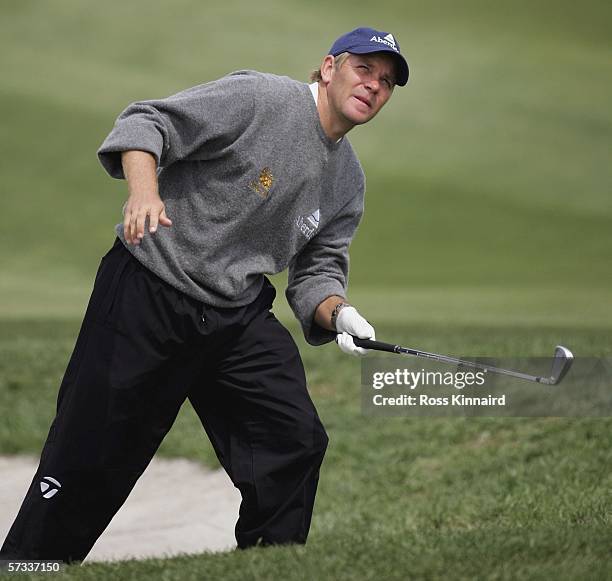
x: 487, y: 232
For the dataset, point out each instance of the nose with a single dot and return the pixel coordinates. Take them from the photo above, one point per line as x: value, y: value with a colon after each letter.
x: 372, y: 85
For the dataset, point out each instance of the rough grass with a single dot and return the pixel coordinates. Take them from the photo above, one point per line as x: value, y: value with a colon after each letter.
x: 399, y: 498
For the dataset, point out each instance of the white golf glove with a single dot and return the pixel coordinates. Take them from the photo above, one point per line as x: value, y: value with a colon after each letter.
x: 348, y: 323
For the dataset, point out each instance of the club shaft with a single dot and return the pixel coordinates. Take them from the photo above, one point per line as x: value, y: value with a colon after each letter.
x: 380, y: 346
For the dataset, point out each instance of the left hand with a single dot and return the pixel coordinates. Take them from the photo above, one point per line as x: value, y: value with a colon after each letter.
x: 349, y: 323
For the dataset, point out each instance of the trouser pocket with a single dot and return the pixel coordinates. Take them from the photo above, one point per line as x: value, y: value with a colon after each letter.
x: 112, y: 268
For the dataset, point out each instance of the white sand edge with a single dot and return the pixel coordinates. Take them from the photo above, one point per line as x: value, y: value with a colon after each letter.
x: 177, y: 506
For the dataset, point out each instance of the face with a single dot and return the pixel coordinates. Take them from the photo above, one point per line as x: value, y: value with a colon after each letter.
x: 359, y: 88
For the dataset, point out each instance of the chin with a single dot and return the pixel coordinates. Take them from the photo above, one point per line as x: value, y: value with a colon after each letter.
x: 358, y: 117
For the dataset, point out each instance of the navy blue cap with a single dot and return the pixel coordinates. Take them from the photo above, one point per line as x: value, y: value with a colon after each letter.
x: 366, y: 40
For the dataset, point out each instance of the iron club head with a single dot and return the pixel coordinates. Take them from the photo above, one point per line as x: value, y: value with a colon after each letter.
x: 561, y: 364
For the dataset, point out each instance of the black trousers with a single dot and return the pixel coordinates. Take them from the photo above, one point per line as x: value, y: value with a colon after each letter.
x: 143, y: 349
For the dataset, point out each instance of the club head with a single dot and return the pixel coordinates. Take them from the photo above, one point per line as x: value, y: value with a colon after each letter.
x: 561, y: 364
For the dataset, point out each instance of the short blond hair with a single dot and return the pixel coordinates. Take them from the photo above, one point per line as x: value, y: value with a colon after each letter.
x: 315, y: 75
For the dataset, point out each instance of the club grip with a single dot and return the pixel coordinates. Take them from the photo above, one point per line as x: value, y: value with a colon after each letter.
x: 375, y: 345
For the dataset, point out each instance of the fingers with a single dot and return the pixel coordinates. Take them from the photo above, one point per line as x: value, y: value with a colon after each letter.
x: 163, y: 219
x: 140, y: 224
x: 156, y: 218
x: 350, y: 321
x: 346, y: 344
x: 153, y: 220
x: 348, y: 324
x: 365, y: 331
x: 135, y: 220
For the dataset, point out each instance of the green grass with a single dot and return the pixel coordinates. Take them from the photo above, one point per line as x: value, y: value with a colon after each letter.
x: 423, y: 498
x: 490, y: 167
x: 486, y: 232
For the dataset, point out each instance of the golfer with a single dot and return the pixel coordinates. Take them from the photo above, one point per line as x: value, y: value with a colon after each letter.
x: 228, y: 181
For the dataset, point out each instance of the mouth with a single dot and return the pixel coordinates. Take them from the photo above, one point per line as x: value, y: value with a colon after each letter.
x: 363, y: 100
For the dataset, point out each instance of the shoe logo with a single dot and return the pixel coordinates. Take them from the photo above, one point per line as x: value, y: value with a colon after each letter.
x: 49, y: 487
x: 263, y: 185
x: 388, y: 40
x: 308, y: 226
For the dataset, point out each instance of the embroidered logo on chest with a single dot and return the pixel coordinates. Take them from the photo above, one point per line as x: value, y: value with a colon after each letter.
x: 262, y: 186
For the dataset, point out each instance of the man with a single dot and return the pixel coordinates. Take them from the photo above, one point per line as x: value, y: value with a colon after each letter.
x: 246, y: 176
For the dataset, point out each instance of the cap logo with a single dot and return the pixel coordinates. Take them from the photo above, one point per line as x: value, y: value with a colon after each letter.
x: 387, y: 40
x: 390, y: 38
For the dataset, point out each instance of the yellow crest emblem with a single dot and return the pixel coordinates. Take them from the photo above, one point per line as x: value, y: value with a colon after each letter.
x: 262, y: 187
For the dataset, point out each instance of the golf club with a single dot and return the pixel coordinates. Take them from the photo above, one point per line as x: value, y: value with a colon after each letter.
x: 562, y: 361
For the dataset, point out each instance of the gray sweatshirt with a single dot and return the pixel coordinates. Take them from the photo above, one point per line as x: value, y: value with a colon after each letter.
x: 253, y: 186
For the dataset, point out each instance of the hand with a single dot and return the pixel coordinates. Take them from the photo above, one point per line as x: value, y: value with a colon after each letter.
x: 349, y: 323
x: 135, y: 212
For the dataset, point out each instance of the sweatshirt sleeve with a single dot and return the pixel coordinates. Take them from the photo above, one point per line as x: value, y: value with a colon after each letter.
x: 321, y: 270
x: 193, y: 124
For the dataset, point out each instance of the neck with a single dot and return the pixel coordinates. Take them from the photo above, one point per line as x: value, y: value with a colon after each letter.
x: 335, y: 128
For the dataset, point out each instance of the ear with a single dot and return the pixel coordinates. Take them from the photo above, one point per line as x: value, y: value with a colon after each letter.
x: 327, y: 67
